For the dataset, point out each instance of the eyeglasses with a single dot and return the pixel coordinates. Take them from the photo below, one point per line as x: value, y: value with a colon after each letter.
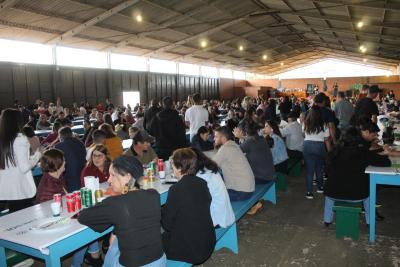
x: 98, y: 155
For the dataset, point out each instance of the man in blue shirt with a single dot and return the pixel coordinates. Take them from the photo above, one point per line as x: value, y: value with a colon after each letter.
x: 75, y: 158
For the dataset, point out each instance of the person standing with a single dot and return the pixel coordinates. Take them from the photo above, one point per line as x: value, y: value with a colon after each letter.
x: 150, y: 114
x: 75, y: 158
x: 322, y: 101
x: 293, y: 134
x: 366, y: 107
x: 284, y: 107
x: 316, y: 138
x: 17, y: 187
x: 168, y: 129
x: 344, y: 110
x: 196, y: 116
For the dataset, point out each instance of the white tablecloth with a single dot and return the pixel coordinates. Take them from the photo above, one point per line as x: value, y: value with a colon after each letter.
x: 17, y: 227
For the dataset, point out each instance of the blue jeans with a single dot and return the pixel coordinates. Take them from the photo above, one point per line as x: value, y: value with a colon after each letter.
x: 328, y: 210
x: 238, y: 195
x: 314, y: 156
x: 112, y: 258
x: 78, y: 257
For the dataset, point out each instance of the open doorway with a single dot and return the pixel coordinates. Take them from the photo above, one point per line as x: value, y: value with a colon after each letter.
x: 131, y: 98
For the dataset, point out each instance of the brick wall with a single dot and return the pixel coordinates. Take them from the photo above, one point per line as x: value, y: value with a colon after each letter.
x: 230, y: 88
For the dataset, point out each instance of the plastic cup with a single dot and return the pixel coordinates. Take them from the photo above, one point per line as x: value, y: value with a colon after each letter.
x: 161, y: 174
x: 55, y: 208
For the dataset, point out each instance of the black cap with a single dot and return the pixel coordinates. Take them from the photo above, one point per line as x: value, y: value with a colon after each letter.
x: 374, y: 89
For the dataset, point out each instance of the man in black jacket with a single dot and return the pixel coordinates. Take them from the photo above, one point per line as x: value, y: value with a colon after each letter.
x: 168, y: 129
x: 150, y: 114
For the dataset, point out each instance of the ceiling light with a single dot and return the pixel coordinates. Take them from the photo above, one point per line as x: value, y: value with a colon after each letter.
x: 365, y: 60
x: 203, y: 43
x: 360, y: 24
x: 363, y: 49
x: 241, y: 47
x: 139, y: 18
x: 282, y: 63
x: 265, y: 57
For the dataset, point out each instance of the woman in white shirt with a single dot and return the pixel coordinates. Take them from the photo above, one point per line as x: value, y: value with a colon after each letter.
x: 17, y: 186
x: 316, y: 137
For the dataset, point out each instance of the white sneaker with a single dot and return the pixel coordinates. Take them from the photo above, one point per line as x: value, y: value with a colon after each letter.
x: 309, y: 195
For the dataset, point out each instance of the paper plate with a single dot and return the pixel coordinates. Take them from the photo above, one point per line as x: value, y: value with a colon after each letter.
x: 52, y: 224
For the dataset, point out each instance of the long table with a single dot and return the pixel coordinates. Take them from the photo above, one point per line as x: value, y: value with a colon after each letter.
x: 17, y: 233
x: 76, y: 129
x: 384, y: 176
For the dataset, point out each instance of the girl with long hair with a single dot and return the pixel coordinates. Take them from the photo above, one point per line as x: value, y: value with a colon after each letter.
x: 316, y: 138
x: 17, y: 186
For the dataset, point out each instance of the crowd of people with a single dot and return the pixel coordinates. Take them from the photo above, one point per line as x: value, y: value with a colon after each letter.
x: 252, y: 140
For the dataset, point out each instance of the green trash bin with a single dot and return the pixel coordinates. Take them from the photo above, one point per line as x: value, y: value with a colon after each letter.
x: 294, y: 167
x: 347, y: 219
x: 281, y: 182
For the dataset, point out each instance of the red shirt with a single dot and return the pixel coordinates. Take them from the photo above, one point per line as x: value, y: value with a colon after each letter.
x: 50, y: 138
x: 94, y: 171
x: 49, y: 186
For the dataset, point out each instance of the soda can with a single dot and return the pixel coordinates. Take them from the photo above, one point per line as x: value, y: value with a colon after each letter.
x: 70, y: 202
x: 58, y: 198
x: 83, y: 202
x: 78, y: 202
x: 153, y: 166
x: 160, y: 165
x: 88, y: 198
x: 98, y: 194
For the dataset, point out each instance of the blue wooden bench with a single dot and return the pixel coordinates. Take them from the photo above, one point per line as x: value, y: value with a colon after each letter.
x: 227, y: 237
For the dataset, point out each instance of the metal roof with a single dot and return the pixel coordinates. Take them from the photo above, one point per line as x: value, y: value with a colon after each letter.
x: 291, y: 33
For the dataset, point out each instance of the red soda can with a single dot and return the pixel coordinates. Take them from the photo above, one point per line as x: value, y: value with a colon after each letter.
x: 160, y: 165
x: 78, y: 202
x: 58, y: 198
x: 70, y: 202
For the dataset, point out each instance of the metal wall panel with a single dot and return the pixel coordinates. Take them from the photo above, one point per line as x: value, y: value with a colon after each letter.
x: 90, y: 86
x: 79, y: 86
x: 32, y: 84
x: 47, y: 83
x: 19, y: 82
x: 28, y: 82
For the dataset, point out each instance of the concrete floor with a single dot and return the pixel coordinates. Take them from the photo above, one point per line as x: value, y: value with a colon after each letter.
x: 292, y: 234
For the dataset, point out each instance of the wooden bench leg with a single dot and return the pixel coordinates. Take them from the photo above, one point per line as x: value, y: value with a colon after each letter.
x: 229, y: 240
x: 270, y: 195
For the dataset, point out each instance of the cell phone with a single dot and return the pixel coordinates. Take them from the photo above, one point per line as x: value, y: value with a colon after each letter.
x: 170, y: 182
